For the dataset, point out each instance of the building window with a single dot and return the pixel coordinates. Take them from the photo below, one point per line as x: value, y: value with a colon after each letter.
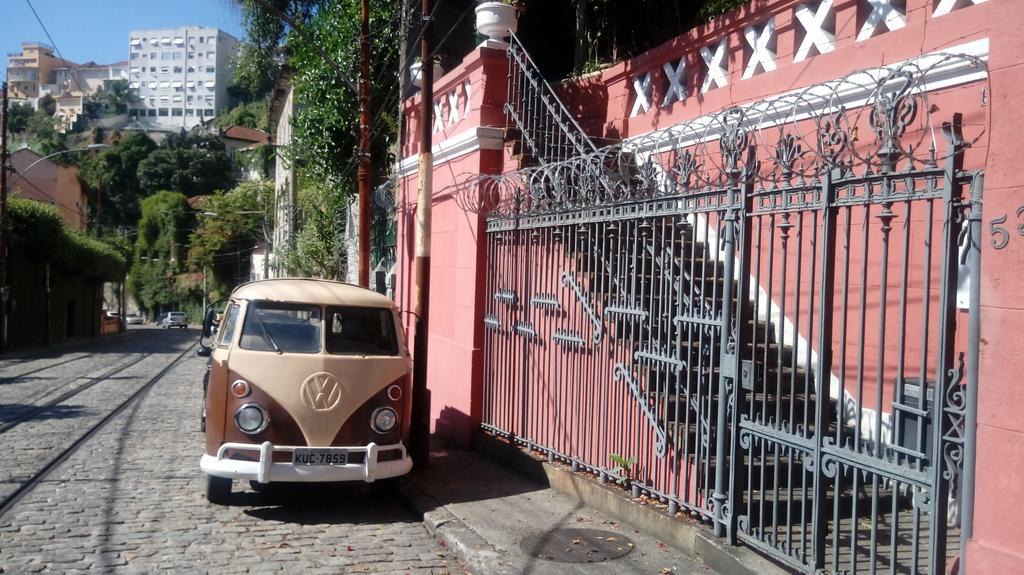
x: 190, y: 112
x: 210, y: 55
x: 209, y: 69
x: 164, y: 69
x: 152, y: 69
x: 165, y: 55
x: 191, y: 55
x: 176, y: 112
x: 151, y: 112
x: 162, y: 112
x: 152, y: 55
x: 135, y: 55
x: 190, y: 97
x: 178, y: 55
x: 208, y: 112
x: 202, y: 39
x: 191, y: 70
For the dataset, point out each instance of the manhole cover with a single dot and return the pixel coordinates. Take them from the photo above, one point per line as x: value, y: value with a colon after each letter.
x: 577, y: 545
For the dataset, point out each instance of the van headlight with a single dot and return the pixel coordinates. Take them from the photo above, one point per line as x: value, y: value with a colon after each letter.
x: 383, y: 419
x: 251, y: 418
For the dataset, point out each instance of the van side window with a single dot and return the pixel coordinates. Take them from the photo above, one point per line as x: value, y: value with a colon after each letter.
x: 361, y: 331
x: 227, y: 326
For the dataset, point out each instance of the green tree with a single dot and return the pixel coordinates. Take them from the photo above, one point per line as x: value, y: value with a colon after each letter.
x: 250, y: 115
x: 255, y: 73
x: 114, y: 97
x: 161, y: 241
x: 189, y: 163
x: 319, y: 248
x: 17, y: 117
x: 111, y: 175
x: 43, y: 136
x: 325, y: 129
x: 47, y: 104
x: 234, y: 222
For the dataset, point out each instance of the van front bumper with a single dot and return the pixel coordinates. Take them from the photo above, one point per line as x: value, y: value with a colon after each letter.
x: 266, y: 470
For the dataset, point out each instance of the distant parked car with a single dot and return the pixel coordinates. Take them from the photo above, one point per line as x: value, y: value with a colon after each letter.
x: 134, y: 319
x: 174, y: 319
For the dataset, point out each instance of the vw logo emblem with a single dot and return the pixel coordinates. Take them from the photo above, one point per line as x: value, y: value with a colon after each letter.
x: 321, y: 391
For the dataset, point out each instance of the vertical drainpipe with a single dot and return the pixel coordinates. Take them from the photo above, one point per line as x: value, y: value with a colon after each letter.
x: 973, y: 349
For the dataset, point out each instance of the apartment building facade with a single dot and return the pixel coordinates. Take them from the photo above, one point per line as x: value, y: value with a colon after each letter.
x: 179, y: 76
x: 30, y: 70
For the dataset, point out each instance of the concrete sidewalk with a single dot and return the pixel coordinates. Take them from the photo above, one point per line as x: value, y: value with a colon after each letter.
x: 483, y: 512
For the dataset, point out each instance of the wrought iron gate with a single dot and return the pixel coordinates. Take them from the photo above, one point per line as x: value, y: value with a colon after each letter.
x: 752, y: 318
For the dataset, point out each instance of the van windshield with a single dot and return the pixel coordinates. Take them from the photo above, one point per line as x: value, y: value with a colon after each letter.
x: 361, y: 331
x: 280, y: 327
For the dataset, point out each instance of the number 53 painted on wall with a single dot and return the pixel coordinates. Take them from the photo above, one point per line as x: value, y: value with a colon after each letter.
x: 1000, y: 235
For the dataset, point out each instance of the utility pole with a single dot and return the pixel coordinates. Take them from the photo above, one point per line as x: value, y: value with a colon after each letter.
x: 420, y: 432
x: 4, y: 291
x: 365, y: 167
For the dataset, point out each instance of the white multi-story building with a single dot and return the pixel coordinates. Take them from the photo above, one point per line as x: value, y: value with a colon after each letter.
x: 179, y: 77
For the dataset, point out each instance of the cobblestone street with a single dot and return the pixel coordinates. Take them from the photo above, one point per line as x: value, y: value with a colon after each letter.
x: 131, y: 499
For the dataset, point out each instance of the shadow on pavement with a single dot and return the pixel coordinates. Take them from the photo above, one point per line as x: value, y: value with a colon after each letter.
x: 12, y: 411
x: 320, y: 504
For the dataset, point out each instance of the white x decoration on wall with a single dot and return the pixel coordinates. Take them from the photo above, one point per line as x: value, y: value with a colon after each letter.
x: 453, y: 107
x: 468, y: 87
x: 439, y: 116
x: 642, y: 87
x: 882, y: 11
x: 676, y: 91
x: 762, y: 46
x: 716, y: 66
x: 818, y: 34
x: 947, y: 6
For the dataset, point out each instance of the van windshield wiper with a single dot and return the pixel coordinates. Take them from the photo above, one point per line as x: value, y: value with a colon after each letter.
x: 266, y: 332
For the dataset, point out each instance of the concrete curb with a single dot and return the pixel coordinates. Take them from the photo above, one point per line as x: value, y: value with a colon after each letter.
x: 691, y: 538
x: 479, y: 556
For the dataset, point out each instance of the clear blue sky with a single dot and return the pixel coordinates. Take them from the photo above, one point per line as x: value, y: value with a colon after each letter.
x: 98, y: 30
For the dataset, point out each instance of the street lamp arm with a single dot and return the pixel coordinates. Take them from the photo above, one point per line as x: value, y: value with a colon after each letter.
x: 21, y: 173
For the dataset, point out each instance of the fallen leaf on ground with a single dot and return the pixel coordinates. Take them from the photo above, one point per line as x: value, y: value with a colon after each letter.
x: 575, y: 541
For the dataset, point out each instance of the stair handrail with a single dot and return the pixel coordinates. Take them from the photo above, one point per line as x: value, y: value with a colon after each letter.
x: 565, y: 121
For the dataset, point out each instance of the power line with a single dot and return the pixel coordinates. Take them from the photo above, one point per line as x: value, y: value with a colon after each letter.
x: 74, y: 76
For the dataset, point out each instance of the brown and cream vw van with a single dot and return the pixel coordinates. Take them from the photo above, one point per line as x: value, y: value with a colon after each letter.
x: 308, y: 381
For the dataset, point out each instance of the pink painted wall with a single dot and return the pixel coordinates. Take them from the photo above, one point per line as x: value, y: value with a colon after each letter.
x: 457, y: 263
x: 998, y: 542
x: 603, y: 102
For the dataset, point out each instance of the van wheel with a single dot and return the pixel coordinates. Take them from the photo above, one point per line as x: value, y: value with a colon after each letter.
x: 385, y: 487
x: 218, y: 489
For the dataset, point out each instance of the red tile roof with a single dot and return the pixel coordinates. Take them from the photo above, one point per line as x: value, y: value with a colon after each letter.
x: 246, y: 134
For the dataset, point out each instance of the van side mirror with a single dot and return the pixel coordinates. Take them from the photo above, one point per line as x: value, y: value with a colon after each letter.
x: 209, y: 321
x: 203, y: 351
